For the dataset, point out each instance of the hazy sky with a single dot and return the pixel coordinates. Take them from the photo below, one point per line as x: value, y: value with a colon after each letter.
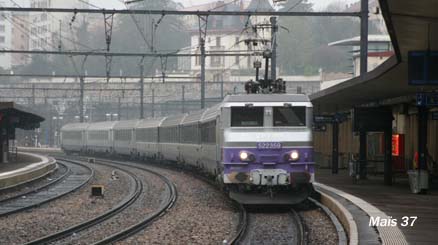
x: 118, y: 3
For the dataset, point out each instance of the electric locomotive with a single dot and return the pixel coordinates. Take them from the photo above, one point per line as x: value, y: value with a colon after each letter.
x: 257, y: 145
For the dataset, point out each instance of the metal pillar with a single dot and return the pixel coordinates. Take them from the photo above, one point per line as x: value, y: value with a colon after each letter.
x: 119, y: 109
x: 81, y: 99
x: 33, y: 94
x: 153, y: 103
x: 266, y: 69
x: 363, y: 154
x: 202, y: 43
x: 183, y: 99
x: 274, y: 48
x: 364, y: 38
x: 335, y: 148
x: 141, y: 91
x: 203, y: 24
x: 388, y: 155
x: 222, y: 88
x: 422, y: 137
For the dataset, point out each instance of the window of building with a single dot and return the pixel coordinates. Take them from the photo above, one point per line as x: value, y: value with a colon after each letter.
x: 237, y: 60
x: 218, y: 41
x: 2, y: 39
x: 2, y: 28
x: 216, y: 61
x: 197, y: 59
x: 218, y: 77
x: 44, y: 17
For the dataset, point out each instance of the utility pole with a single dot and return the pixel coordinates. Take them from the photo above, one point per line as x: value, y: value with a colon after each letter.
x: 222, y: 88
x: 153, y: 103
x: 81, y: 100
x: 119, y: 109
x: 364, y: 38
x: 274, y: 29
x: 33, y: 94
x: 203, y: 23
x: 202, y: 43
x: 141, y: 90
x: 183, y: 99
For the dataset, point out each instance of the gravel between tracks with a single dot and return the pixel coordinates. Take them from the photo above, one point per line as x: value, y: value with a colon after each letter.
x: 152, y: 195
x: 320, y: 229
x: 21, y: 189
x: 201, y: 215
x: 271, y: 228
x: 64, y: 212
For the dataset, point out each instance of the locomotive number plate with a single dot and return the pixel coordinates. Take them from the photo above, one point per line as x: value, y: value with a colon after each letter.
x: 268, y: 145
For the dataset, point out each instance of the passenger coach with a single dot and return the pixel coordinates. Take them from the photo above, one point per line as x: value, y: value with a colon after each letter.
x: 255, y: 144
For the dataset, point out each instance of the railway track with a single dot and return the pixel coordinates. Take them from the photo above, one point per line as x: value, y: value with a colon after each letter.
x: 65, y: 171
x: 75, y: 177
x: 87, y: 227
x: 257, y: 226
x: 168, y: 202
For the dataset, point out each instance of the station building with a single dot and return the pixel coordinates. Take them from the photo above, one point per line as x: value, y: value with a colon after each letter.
x: 411, y: 140
x: 12, y: 117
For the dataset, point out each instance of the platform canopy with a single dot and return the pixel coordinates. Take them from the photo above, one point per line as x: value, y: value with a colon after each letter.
x: 413, y: 26
x: 15, y: 116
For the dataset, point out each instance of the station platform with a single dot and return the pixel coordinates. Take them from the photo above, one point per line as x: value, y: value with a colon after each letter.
x: 24, y: 168
x: 371, y: 198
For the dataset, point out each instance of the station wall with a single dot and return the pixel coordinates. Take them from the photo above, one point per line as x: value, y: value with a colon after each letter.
x: 406, y: 124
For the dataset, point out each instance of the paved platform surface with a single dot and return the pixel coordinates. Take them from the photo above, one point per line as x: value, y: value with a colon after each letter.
x: 396, y: 201
x: 26, y: 167
x: 20, y: 162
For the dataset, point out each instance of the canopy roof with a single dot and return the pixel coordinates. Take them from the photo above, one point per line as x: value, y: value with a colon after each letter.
x: 19, y: 117
x: 412, y: 26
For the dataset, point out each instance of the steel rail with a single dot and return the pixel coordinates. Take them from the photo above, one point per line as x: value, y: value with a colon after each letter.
x: 342, y: 235
x: 243, y: 225
x: 34, y: 190
x: 26, y: 207
x: 125, y: 203
x: 172, y: 197
x: 302, y: 239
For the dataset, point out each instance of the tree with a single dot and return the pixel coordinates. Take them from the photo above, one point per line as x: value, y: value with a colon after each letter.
x: 304, y: 48
x: 169, y: 34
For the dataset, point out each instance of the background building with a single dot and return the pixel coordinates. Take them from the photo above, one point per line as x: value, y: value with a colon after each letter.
x: 5, y: 39
x: 46, y: 28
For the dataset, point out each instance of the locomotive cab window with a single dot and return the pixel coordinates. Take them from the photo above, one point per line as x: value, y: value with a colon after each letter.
x: 289, y: 116
x: 247, y: 116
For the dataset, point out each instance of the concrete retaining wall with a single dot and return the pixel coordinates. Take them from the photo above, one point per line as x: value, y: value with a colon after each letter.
x: 41, y: 167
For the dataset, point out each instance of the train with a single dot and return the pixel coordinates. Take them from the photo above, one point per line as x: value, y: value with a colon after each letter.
x: 258, y: 147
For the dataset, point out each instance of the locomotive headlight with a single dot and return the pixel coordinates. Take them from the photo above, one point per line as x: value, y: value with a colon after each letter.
x: 294, y: 155
x: 244, y: 156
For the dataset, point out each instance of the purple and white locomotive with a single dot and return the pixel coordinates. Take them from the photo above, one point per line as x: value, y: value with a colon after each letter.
x: 267, y: 148
x: 258, y: 146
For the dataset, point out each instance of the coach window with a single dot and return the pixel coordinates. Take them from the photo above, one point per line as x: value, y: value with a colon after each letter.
x: 289, y: 116
x: 247, y: 116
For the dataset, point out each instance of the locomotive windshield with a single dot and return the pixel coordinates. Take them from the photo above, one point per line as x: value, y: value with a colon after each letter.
x: 247, y: 116
x: 289, y: 116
